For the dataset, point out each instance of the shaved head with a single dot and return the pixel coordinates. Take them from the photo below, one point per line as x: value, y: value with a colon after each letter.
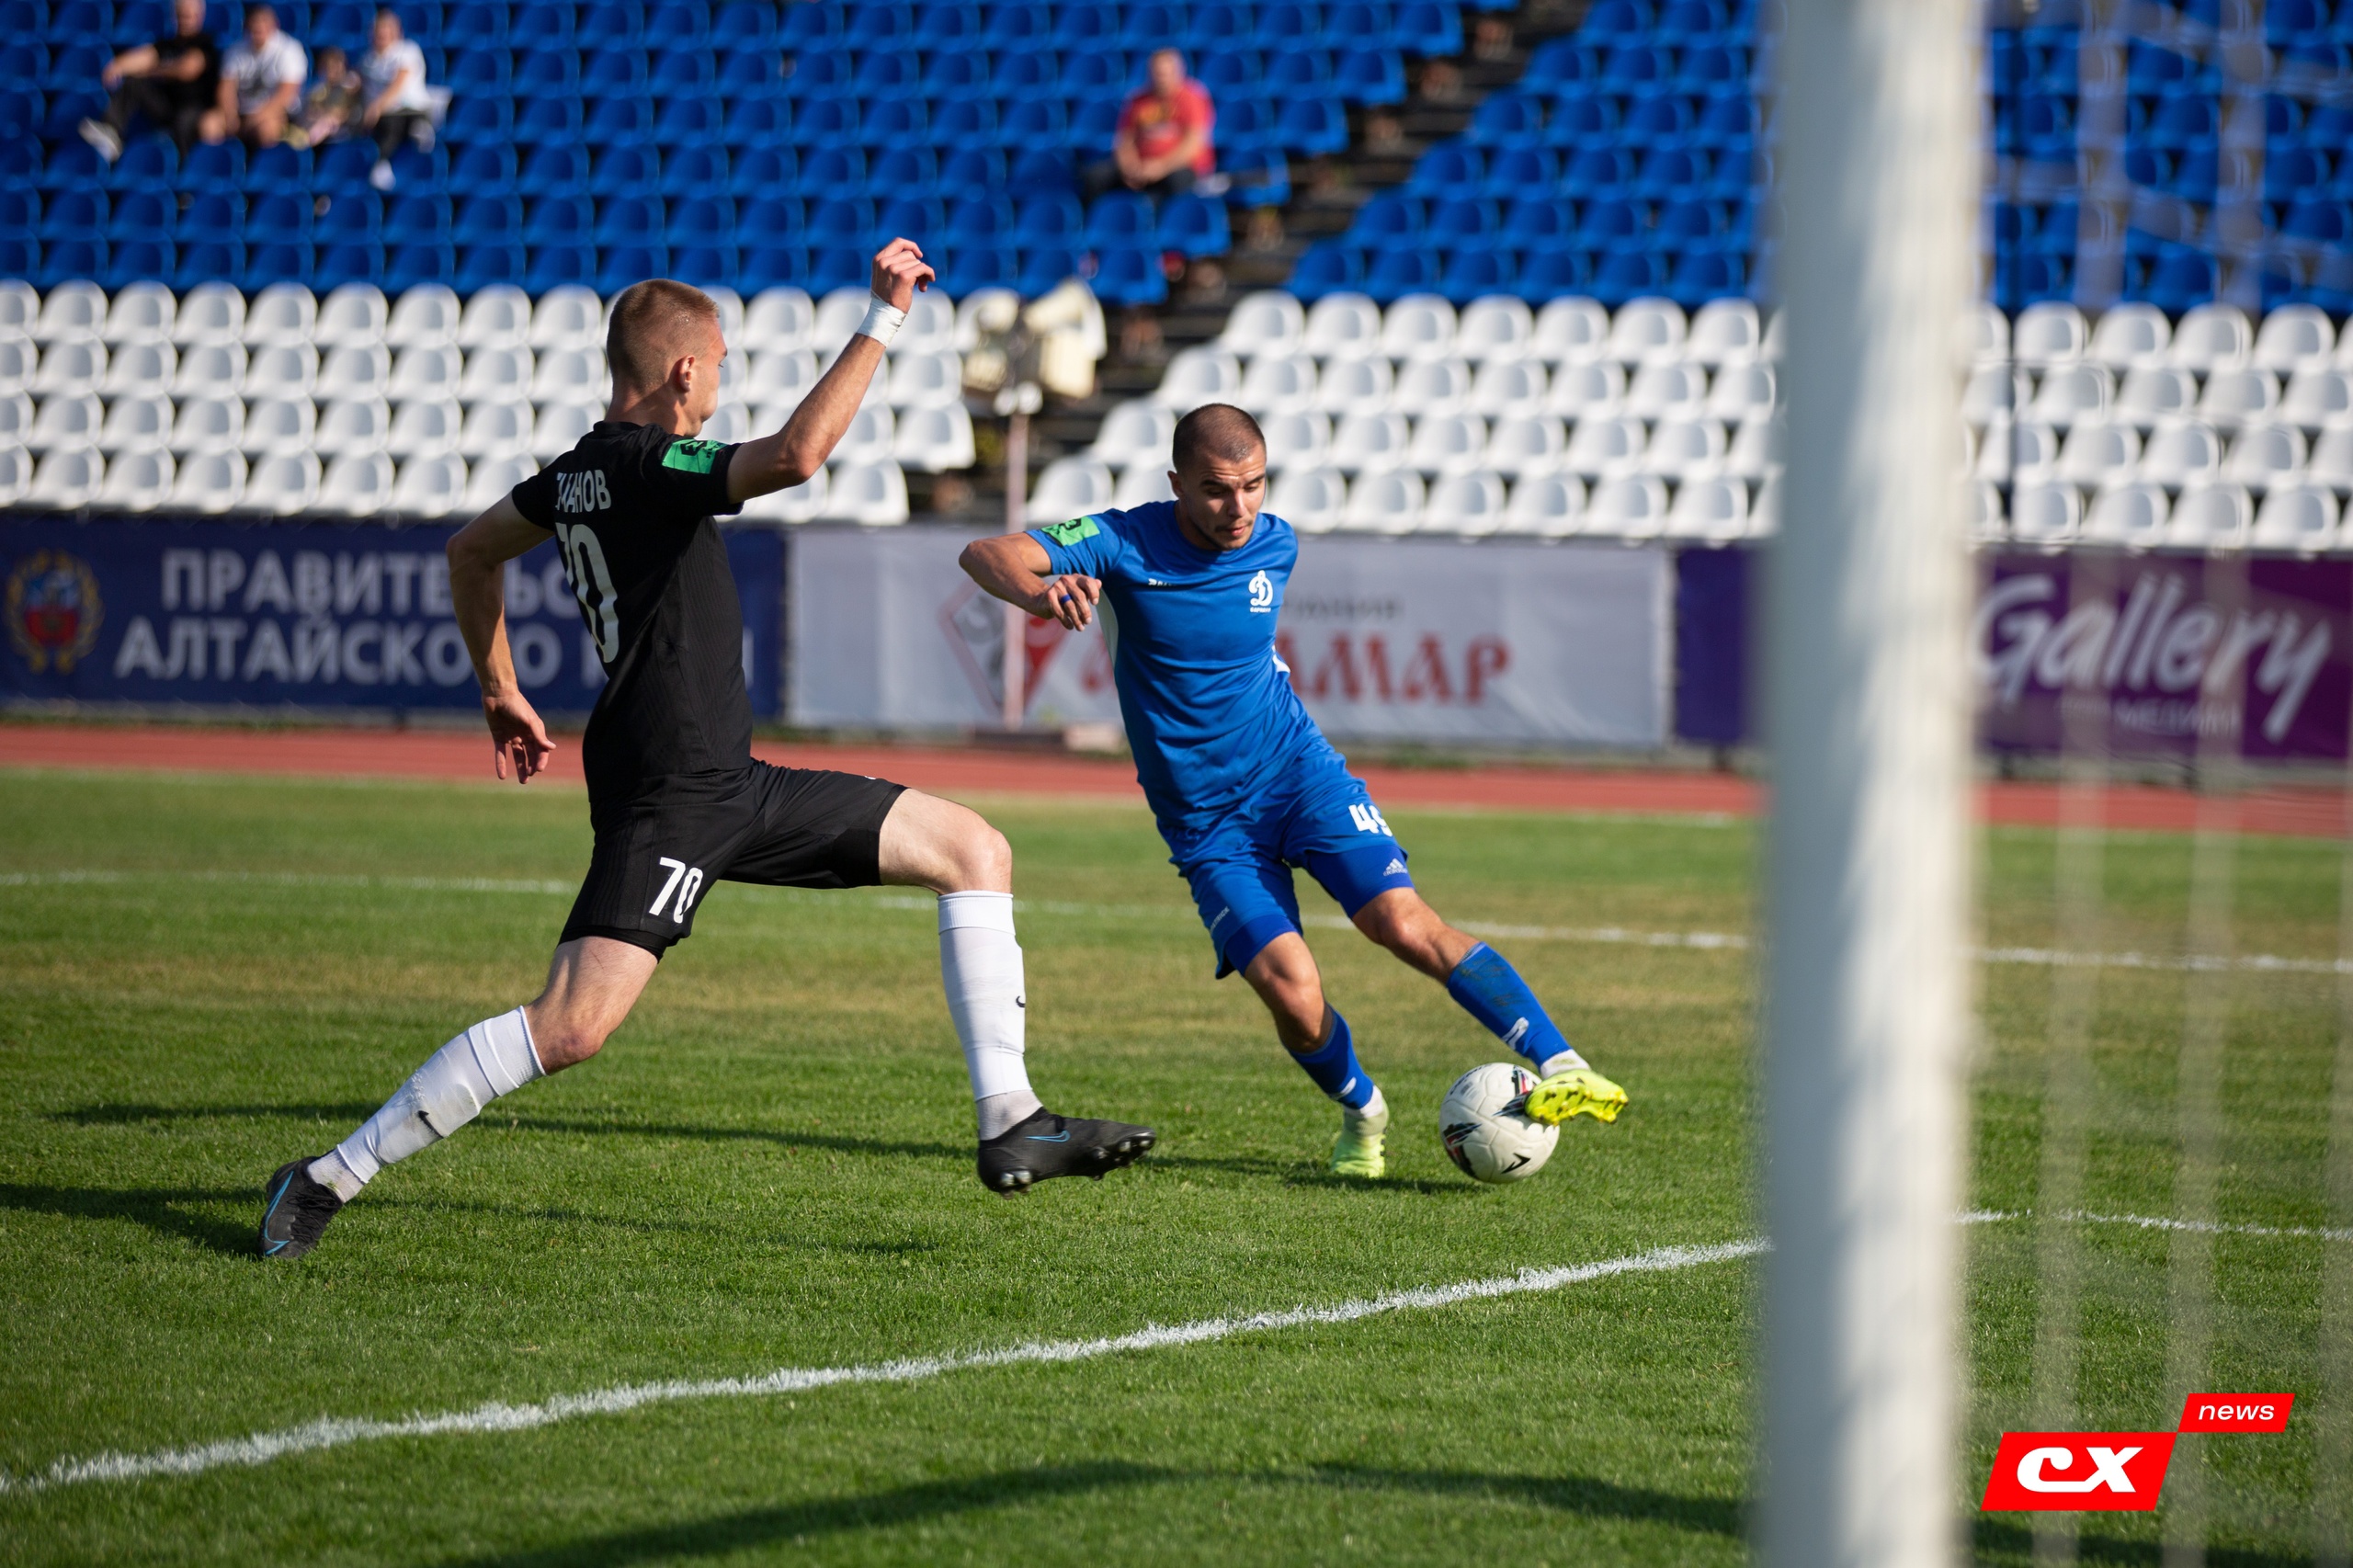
x: 1216, y: 431
x: 655, y: 324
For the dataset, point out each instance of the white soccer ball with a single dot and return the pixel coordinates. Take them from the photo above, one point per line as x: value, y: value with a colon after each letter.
x: 1483, y: 1121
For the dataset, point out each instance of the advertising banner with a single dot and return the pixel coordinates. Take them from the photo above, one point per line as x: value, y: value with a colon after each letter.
x: 1398, y: 640
x: 311, y: 615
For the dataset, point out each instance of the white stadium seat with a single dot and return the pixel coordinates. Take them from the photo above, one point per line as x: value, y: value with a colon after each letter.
x: 496, y: 317
x: 209, y: 481
x: 1448, y: 443
x: 872, y: 495
x: 999, y: 307
x: 2239, y: 397
x: 1710, y: 511
x: 276, y: 425
x: 1387, y: 501
x: 2050, y: 335
x: 281, y: 313
x: 1137, y: 431
x: 66, y: 423
x: 558, y: 427
x: 1433, y: 386
x: 1686, y: 450
x: 2132, y: 336
x: 2152, y: 394
x: 19, y: 357
x: 1725, y: 332
x: 1545, y: 506
x: 573, y: 317
x: 797, y: 505
x: 1497, y: 327
x: 19, y: 308
x: 16, y: 470
x: 1471, y: 505
x: 2211, y: 517
x: 2094, y: 455
x: 1751, y: 451
x: 133, y: 424
x: 1646, y: 332
x: 1588, y: 389
x: 869, y: 438
x: 936, y: 439
x: 730, y: 305
x: 431, y: 487
x: 282, y: 483
x: 1356, y: 386
x: 2182, y: 453
x: 1297, y: 440
x: 2299, y: 518
x: 1994, y: 391
x: 68, y: 480
x: 1632, y: 507
x: 72, y: 367
x: 143, y: 369
x: 354, y: 370
x: 1277, y: 384
x: 1195, y: 376
x: 1741, y: 391
x: 1573, y: 331
x: 2045, y: 514
x: 2213, y: 337
x: 427, y: 317
x: 577, y: 375
x: 2133, y: 516
x: 504, y: 430
x: 210, y: 424
x: 210, y: 369
x: 141, y: 313
x: 1606, y: 447
x: 1527, y: 444
x: 495, y: 375
x: 1667, y: 390
x: 1988, y: 524
x: 1140, y: 485
x: 1506, y: 387
x: 1418, y: 326
x: 427, y: 427
x: 930, y: 326
x: 2074, y: 395
x: 926, y: 379
x: 358, y: 484
x: 1309, y: 499
x: 2294, y: 338
x: 354, y: 427
x: 353, y: 317
x: 2030, y: 450
x: 1069, y: 487
x: 2265, y: 457
x: 839, y: 314
x: 1370, y: 443
x: 2314, y: 399
x: 488, y: 481
x: 1342, y: 326
x: 2331, y: 462
x: 781, y: 376
x: 137, y: 482
x: 735, y: 367
x: 730, y: 424
x: 425, y: 371
x: 69, y: 312
x: 1267, y: 323
x: 209, y: 313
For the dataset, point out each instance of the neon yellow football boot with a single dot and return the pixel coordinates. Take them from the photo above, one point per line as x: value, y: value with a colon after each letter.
x: 1357, y: 1151
x: 1580, y: 1091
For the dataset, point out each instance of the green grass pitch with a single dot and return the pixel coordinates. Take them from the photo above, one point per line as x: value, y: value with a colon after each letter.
x: 771, y: 1166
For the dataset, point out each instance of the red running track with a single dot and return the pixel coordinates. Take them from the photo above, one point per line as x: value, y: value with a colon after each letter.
x: 436, y: 754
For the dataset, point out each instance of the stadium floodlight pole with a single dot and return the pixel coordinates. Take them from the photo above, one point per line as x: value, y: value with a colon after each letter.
x: 1869, y: 700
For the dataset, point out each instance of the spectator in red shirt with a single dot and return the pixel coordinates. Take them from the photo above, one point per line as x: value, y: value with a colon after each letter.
x: 1163, y: 144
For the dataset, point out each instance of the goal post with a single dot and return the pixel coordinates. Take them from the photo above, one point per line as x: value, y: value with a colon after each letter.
x: 1869, y: 703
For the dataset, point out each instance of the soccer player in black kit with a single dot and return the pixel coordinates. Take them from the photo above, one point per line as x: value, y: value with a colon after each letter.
x: 674, y: 797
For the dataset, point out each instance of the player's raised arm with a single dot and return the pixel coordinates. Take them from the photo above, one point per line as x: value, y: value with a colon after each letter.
x: 1016, y: 568
x: 478, y: 556
x: 808, y: 439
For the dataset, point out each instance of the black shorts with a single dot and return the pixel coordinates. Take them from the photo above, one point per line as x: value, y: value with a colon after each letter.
x: 795, y: 827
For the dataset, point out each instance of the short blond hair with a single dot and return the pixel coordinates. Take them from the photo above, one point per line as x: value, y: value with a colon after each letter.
x: 651, y: 326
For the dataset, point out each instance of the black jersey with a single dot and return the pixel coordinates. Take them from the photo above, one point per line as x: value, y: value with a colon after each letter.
x: 631, y: 508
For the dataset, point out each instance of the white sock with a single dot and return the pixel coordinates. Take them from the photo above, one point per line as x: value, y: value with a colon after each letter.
x: 495, y: 1057
x: 980, y: 968
x: 1561, y: 1062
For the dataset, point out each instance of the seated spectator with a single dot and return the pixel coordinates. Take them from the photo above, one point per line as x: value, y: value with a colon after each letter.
x: 397, y: 108
x: 1163, y: 144
x: 331, y: 105
x: 261, y: 81
x: 169, y: 84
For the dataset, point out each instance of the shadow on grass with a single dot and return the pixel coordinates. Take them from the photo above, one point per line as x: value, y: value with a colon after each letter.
x: 2000, y: 1541
x: 1566, y: 1493
x: 162, y: 1210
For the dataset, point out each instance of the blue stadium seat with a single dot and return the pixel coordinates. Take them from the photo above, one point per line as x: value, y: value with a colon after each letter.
x: 2322, y: 223
x: 978, y: 266
x: 1050, y: 220
x: 1230, y: 72
x: 483, y: 68
x: 771, y: 219
x: 810, y: 26
x: 2152, y: 69
x: 74, y: 215
x: 540, y: 24
x: 1560, y: 63
x: 482, y: 266
x: 76, y: 165
x: 276, y: 261
x: 963, y: 123
x: 1626, y: 275
x: 1094, y: 73
x: 1580, y: 119
x: 1085, y: 26
x: 1609, y: 21
x: 1449, y: 166
x: 613, y: 69
x: 1282, y: 22
x: 922, y: 219
x: 1429, y: 27
x: 24, y: 18
x: 1660, y: 119
x: 881, y: 24
x: 2177, y: 124
x: 678, y: 70
x: 24, y: 65
x: 1312, y: 126
x: 706, y: 266
x: 1539, y: 223
x: 215, y: 166
x: 979, y: 220
x: 406, y: 267
x: 1684, y: 23
x: 214, y: 217
x: 956, y: 74
x: 555, y: 170
x: 1459, y: 219
x: 910, y: 172
x: 2297, y: 171
x: 629, y: 220
x: 480, y: 118
x: 840, y: 222
x: 1246, y: 125
x: 1195, y: 226
x: 21, y: 161
x: 693, y: 119
x: 2196, y: 174
x: 705, y: 221
x: 1024, y: 76
x: 1033, y: 124
x: 417, y: 221
x: 759, y: 123
x: 138, y: 260
x: 277, y: 168
x: 825, y: 122
x: 1016, y: 26
x: 1519, y: 169
x: 1546, y: 276
x: 838, y: 267
x: 550, y: 71
x: 632, y: 169
x: 2173, y: 278
x: 895, y: 122
x: 745, y: 24
x: 750, y: 74
x: 1391, y: 220
x: 19, y: 255
x: 339, y: 165
x: 1152, y: 25
x: 20, y: 209
x: 694, y: 173
x: 1690, y: 224
x: 356, y: 219
x: 489, y: 220
x: 771, y: 267
x: 618, y: 267
x: 1507, y: 119
x: 1121, y: 219
x: 1707, y: 68
x: 335, y: 265
x: 1472, y: 273
x: 1599, y: 173
x: 1044, y: 269
x: 1728, y: 122
x: 279, y: 217
x: 138, y: 215
x: 546, y: 121
x: 1701, y: 276
x: 21, y: 115
x: 1130, y: 277
x: 558, y: 266
x: 67, y: 261
x: 1095, y: 126
x: 76, y: 65
x: 620, y: 121
x: 832, y: 171
x: 1397, y: 273
x: 947, y: 27
x: 1370, y: 77
x: 678, y: 24
x: 1630, y: 67
x: 558, y: 221
x: 1297, y: 72
x: 1610, y: 224
x: 67, y: 108
x: 968, y: 168
x: 1667, y: 172
x: 207, y: 261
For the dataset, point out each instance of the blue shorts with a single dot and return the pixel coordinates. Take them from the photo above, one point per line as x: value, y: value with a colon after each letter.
x: 1323, y: 822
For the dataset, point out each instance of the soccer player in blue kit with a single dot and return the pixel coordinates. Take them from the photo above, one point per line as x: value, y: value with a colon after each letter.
x: 1243, y: 786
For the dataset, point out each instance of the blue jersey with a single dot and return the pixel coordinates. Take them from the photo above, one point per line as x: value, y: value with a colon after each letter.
x: 1210, y: 708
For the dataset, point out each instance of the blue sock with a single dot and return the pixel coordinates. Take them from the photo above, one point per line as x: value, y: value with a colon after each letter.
x: 1334, y: 1068
x: 1491, y: 991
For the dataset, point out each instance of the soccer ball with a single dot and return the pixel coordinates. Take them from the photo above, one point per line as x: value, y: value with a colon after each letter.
x: 1486, y: 1130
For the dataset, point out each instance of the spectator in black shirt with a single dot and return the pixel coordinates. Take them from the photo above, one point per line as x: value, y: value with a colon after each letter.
x: 169, y: 84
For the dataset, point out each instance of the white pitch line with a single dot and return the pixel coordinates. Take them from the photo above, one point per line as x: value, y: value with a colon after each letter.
x: 332, y: 1432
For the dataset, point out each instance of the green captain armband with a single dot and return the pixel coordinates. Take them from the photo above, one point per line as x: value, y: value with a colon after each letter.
x: 694, y: 457
x: 1070, y: 533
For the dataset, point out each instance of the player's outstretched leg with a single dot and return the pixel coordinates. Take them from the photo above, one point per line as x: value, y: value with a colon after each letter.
x: 591, y: 986
x: 1285, y: 977
x: 928, y: 842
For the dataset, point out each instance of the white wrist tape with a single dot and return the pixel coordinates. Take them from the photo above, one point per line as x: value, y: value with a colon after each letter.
x: 882, y: 320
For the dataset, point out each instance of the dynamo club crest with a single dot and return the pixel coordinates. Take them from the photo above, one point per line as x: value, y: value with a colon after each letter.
x: 54, y: 609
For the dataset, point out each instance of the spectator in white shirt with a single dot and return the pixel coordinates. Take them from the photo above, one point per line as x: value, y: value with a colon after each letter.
x: 397, y: 107
x: 260, y: 80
